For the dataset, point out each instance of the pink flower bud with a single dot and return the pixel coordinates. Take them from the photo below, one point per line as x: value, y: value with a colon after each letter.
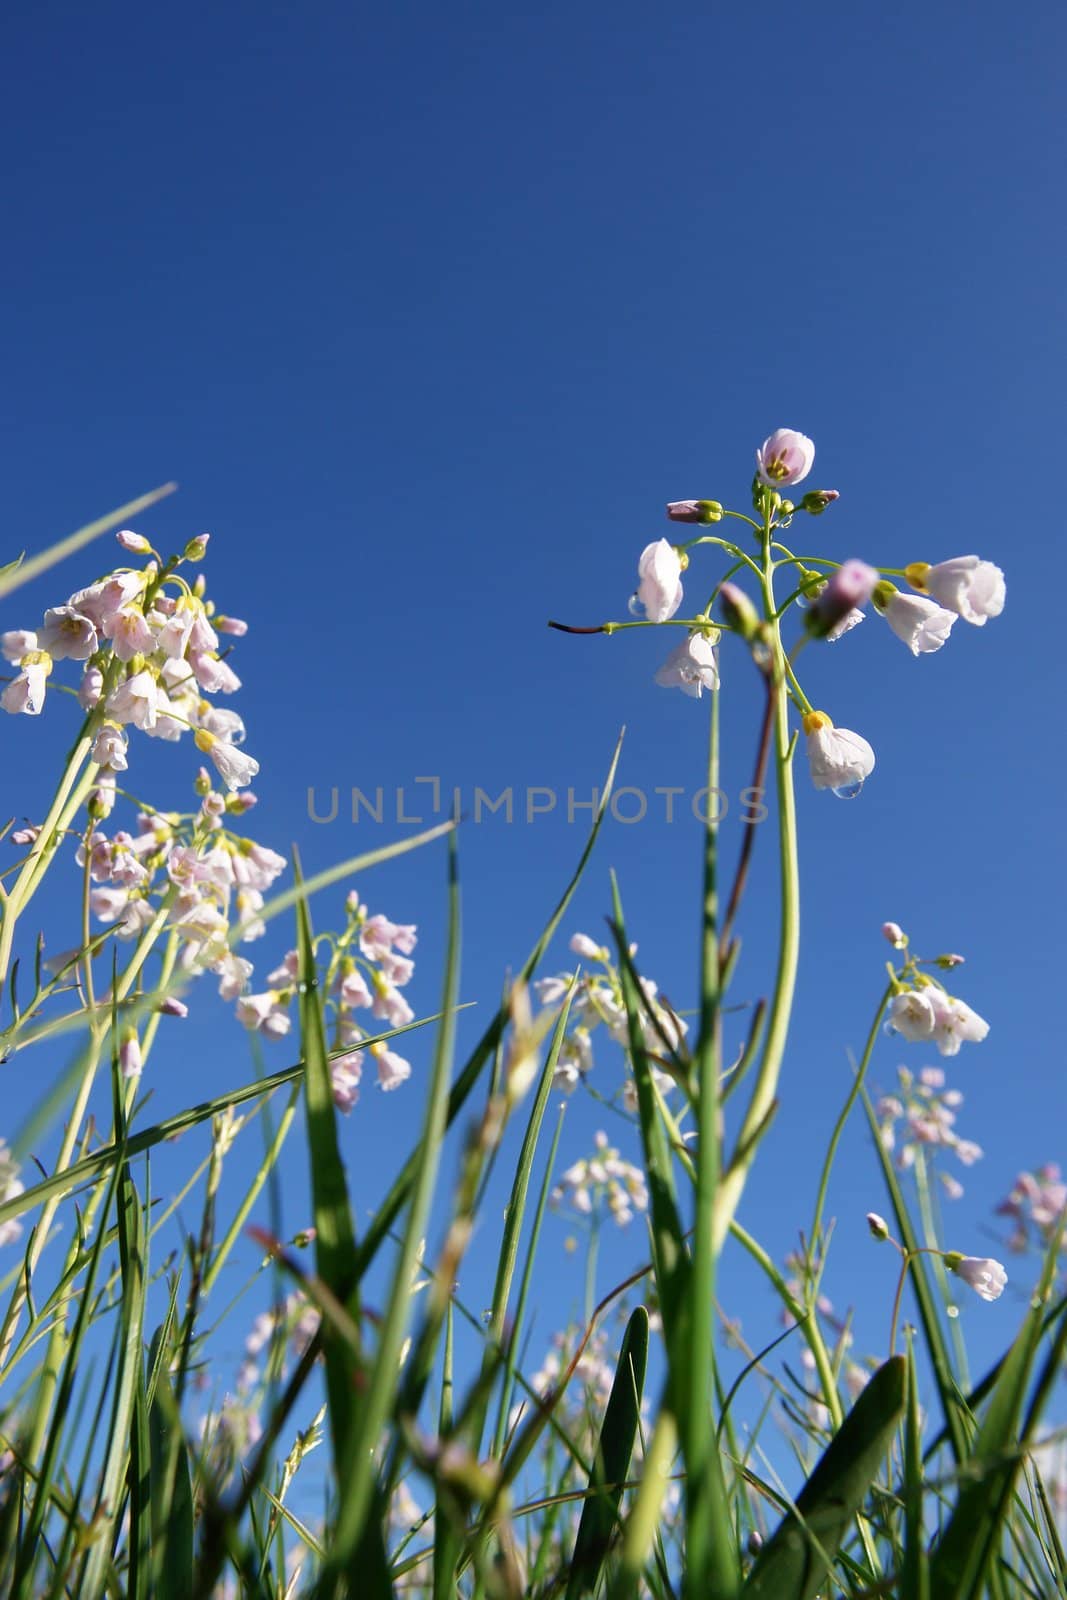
x: 136, y: 543
x: 172, y: 1007
x: 816, y: 501
x: 878, y: 1226
x: 894, y: 933
x: 694, y: 511
x: 845, y: 590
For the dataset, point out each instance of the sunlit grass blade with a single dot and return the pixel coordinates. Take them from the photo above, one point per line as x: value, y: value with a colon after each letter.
x: 335, y: 1240
x: 794, y: 1563
x: 386, y: 1213
x: 16, y: 573
x: 642, y: 1524
x: 600, y: 1514
x: 358, y: 1481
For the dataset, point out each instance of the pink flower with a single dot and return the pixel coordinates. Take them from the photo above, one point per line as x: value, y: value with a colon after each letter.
x: 135, y: 543
x: 17, y: 643
x: 212, y: 674
x: 130, y: 633
x: 345, y: 1074
x: 135, y: 700
x: 659, y: 581
x: 233, y: 972
x: 354, y: 990
x: 67, y: 635
x: 102, y: 600
x: 264, y: 1013
x: 846, y: 589
x: 131, y: 1063
x: 691, y: 667
x: 390, y: 1004
x: 393, y: 1070
x: 786, y: 457
x: 91, y: 688
x: 378, y: 936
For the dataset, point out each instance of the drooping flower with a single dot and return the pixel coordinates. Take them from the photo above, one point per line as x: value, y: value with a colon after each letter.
x: 392, y: 1069
x: 955, y: 1023
x: 985, y: 1276
x: 839, y: 759
x: 17, y: 643
x: 587, y: 948
x: 785, y: 458
x: 101, y: 601
x: 691, y: 667
x: 26, y: 693
x: 850, y: 620
x: 235, y: 768
x: 922, y: 624
x: 110, y: 747
x: 659, y: 581
x: 264, y: 1013
x: 345, y: 1074
x: 67, y: 635
x: 973, y: 589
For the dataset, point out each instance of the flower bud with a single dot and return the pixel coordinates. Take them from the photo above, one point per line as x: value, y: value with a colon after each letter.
x: 755, y: 1542
x: 196, y: 549
x: 846, y: 589
x: 136, y: 543
x: 738, y: 611
x: 202, y: 783
x: 895, y: 935
x: 172, y: 1007
x: 878, y: 1226
x: 816, y: 501
x: 130, y: 1062
x: 948, y: 961
x: 694, y: 511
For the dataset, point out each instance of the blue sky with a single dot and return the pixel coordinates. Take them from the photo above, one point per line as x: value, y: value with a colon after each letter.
x: 429, y: 311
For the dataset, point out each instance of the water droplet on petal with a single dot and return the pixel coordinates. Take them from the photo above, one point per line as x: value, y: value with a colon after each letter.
x: 848, y: 791
x: 637, y: 607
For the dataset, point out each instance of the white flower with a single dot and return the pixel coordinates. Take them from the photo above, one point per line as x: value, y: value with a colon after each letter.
x: 233, y: 973
x: 850, y: 620
x: 923, y: 625
x: 691, y: 667
x: 110, y: 748
x: 954, y: 1023
x: 974, y: 589
x: 839, y: 758
x: 234, y: 767
x: 26, y: 693
x: 587, y: 948
x: 912, y: 1014
x: 786, y: 457
x: 986, y: 1277
x: 659, y: 581
x: 66, y: 634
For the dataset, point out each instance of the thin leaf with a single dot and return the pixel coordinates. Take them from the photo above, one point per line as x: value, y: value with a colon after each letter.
x: 16, y: 573
x: 600, y: 1513
x: 794, y: 1563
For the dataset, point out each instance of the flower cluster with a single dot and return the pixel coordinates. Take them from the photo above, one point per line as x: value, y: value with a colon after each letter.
x: 147, y: 643
x: 927, y: 1014
x: 926, y: 1114
x: 598, y: 1002
x: 832, y: 594
x: 278, y: 1337
x: 603, y: 1178
x: 363, y: 968
x: 1035, y: 1203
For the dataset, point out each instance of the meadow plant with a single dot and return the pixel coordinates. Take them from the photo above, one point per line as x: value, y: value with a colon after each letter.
x: 388, y: 1428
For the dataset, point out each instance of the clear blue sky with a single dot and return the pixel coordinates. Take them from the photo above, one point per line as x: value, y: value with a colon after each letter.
x: 429, y: 310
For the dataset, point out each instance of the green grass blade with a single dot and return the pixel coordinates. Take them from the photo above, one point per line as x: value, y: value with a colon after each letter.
x: 600, y: 1514
x: 173, y: 1527
x: 916, y: 1568
x: 357, y: 1485
x: 16, y: 573
x: 794, y: 1563
x: 642, y: 1525
x: 335, y: 1239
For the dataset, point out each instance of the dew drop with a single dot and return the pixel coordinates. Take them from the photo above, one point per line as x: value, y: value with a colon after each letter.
x: 637, y: 607
x: 952, y: 1311
x: 848, y: 791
